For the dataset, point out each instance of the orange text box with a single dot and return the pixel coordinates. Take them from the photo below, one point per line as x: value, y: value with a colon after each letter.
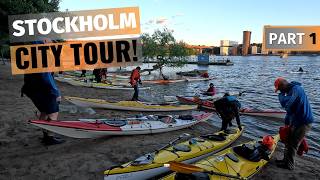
x: 291, y: 38
x: 74, y: 55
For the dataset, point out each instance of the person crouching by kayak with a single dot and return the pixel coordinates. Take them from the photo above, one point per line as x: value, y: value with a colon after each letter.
x: 211, y: 90
x: 43, y: 92
x: 134, y: 80
x: 299, y: 117
x: 228, y: 109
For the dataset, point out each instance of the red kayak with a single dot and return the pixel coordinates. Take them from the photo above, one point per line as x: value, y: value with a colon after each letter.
x: 279, y: 114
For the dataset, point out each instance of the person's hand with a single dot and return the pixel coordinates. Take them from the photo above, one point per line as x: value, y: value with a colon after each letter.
x: 58, y: 99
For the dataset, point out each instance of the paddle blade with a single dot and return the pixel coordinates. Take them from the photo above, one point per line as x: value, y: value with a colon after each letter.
x: 183, y: 168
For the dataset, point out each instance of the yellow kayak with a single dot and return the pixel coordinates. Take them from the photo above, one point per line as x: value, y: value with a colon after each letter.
x: 152, y: 164
x: 127, y: 105
x: 231, y: 163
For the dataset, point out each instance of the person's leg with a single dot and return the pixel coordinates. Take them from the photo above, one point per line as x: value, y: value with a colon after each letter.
x: 224, y: 124
x: 135, y: 94
x: 294, y: 140
x: 52, y: 111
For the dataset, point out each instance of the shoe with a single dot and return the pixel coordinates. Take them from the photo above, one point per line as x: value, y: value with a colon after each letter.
x: 285, y: 166
x: 50, y: 140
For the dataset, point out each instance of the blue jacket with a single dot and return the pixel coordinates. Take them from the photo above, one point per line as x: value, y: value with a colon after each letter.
x: 296, y: 103
x: 40, y: 82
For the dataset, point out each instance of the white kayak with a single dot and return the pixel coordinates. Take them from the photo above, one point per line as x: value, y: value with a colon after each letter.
x: 298, y: 72
x: 128, y: 105
x: 96, y: 128
x: 75, y: 82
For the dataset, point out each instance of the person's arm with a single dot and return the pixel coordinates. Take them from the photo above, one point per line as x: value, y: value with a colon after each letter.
x: 238, y: 119
x: 287, y: 101
x: 49, y: 81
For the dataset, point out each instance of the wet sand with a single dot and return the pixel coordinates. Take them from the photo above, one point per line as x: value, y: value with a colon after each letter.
x: 22, y: 156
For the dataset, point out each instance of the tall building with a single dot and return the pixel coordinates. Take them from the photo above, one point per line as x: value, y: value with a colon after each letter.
x: 246, y: 42
x: 254, y: 50
x: 226, y: 47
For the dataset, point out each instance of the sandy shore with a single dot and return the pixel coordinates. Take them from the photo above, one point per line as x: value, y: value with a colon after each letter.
x: 22, y: 156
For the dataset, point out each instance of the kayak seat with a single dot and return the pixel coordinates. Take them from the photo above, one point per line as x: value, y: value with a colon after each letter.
x: 214, y: 137
x: 182, y: 147
x: 193, y: 176
x: 186, y: 117
x: 253, y: 153
x: 196, y: 140
x: 115, y: 123
x: 232, y: 157
x: 167, y: 120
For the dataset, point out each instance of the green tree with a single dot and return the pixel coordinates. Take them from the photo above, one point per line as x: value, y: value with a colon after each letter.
x: 12, y: 7
x: 163, y: 45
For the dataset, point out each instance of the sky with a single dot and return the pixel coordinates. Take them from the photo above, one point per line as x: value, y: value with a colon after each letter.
x: 206, y: 22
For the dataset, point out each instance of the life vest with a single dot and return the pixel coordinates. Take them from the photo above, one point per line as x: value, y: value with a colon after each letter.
x: 135, y: 76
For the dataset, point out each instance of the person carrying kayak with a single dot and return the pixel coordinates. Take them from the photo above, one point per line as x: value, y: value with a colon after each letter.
x: 299, y: 117
x: 134, y: 80
x: 228, y: 109
x: 211, y: 90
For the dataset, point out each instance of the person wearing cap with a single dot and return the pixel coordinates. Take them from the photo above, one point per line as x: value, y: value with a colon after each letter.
x: 134, y: 80
x: 299, y: 117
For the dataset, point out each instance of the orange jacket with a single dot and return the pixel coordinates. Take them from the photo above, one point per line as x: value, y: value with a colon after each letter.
x: 135, y: 77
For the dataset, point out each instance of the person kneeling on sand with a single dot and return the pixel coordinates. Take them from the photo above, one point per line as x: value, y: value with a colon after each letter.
x: 228, y: 109
x: 298, y: 118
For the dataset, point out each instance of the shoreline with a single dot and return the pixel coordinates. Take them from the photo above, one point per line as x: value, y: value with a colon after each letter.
x: 24, y: 157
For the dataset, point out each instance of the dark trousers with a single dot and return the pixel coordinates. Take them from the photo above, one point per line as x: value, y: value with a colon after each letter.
x: 295, y: 137
x: 136, y: 93
x: 225, y: 123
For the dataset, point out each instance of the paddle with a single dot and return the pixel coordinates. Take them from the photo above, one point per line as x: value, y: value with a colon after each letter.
x: 182, y: 136
x: 188, y: 169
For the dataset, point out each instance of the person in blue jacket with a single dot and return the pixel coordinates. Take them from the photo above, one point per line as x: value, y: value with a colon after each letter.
x: 299, y: 117
x: 45, y: 95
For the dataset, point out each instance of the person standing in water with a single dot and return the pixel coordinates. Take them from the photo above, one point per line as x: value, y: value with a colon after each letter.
x: 134, y: 80
x: 298, y: 118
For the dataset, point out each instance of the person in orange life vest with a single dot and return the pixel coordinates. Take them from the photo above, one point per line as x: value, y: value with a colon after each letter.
x: 211, y: 90
x: 134, y: 80
x: 299, y: 118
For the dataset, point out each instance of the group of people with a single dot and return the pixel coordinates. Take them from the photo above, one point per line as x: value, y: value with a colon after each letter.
x: 43, y: 92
